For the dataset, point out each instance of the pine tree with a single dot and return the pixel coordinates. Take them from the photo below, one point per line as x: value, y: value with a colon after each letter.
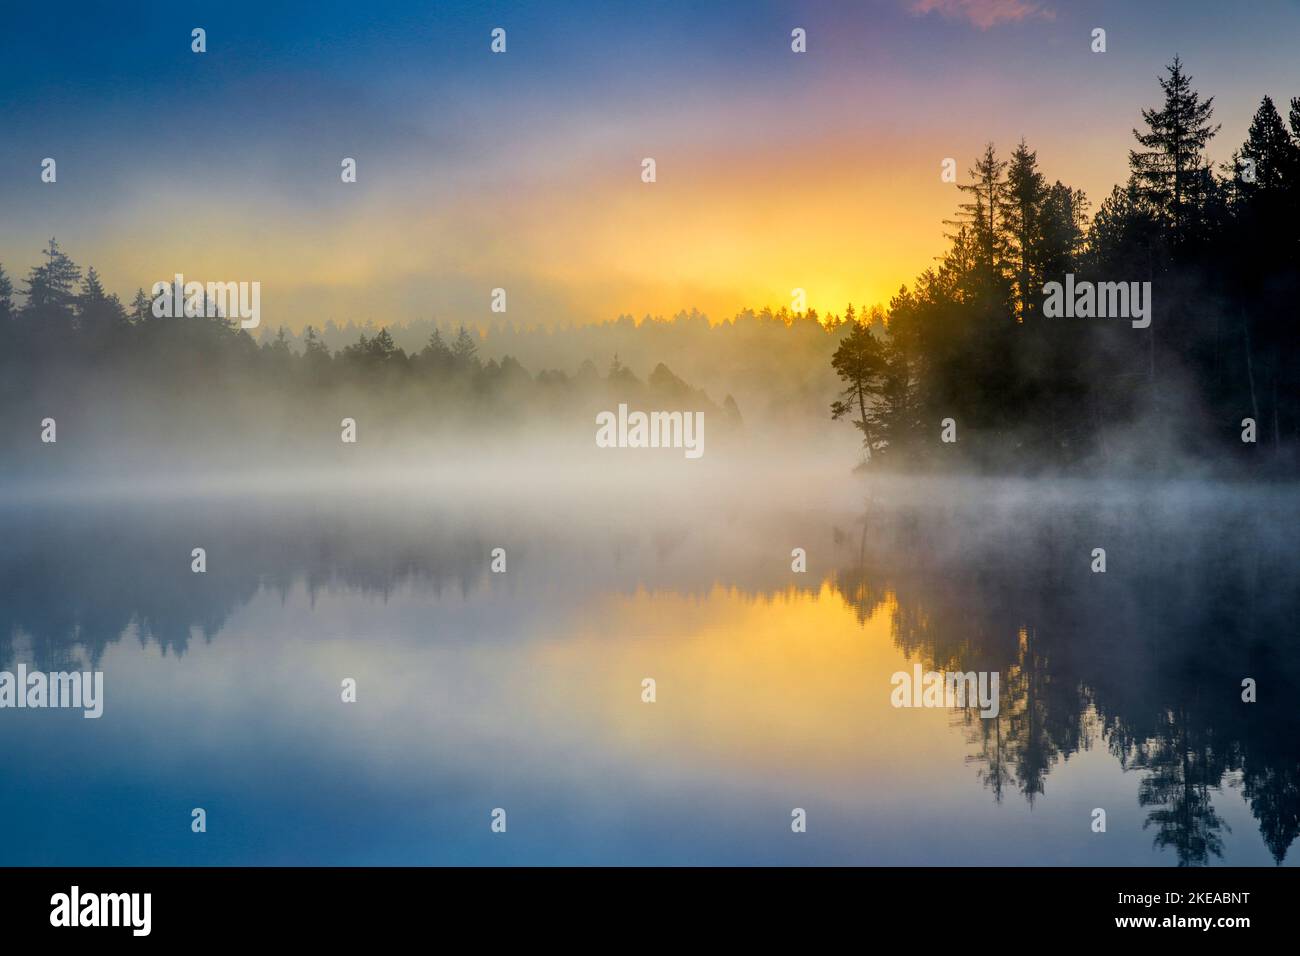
x: 51, y: 289
x: 895, y: 419
x: 312, y: 343
x: 1062, y: 230
x: 1172, y: 175
x: 1266, y: 184
x: 280, y: 344
x: 316, y: 355
x: 6, y: 299
x: 1274, y: 156
x: 859, y: 363
x: 98, y: 312
x: 464, y: 351
x: 141, y: 308
x: 982, y: 217
x: 436, y: 355
x: 1025, y: 193
x: 1267, y: 208
x: 383, y: 346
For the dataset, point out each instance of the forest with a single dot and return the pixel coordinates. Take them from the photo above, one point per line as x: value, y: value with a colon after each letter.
x: 1207, y: 382
x: 971, y: 340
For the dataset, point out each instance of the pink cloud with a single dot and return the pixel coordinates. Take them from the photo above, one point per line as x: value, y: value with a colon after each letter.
x: 984, y: 13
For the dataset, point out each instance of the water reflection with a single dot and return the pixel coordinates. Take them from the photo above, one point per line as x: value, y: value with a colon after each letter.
x: 1146, y: 659
x: 770, y: 681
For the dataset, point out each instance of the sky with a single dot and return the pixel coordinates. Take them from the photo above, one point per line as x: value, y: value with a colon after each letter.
x: 775, y: 171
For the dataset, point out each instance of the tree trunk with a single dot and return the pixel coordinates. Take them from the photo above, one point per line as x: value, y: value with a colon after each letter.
x: 862, y: 408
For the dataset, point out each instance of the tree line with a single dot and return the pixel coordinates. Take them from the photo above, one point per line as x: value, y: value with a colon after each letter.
x: 970, y: 341
x: 68, y: 316
x: 72, y: 342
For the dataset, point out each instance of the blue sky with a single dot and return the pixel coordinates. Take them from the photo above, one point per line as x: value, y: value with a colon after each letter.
x: 521, y: 170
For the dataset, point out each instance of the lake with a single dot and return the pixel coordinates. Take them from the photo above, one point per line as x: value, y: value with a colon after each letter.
x: 523, y: 690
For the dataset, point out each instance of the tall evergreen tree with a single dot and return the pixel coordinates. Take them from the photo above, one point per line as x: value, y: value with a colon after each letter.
x: 51, y: 291
x: 141, y: 308
x: 859, y: 362
x: 436, y: 356
x: 982, y: 215
x: 1171, y: 172
x: 1025, y: 193
x: 1273, y: 155
x: 1062, y: 230
x: 312, y: 343
x: 98, y: 312
x: 383, y: 345
x: 1266, y: 184
x: 464, y: 350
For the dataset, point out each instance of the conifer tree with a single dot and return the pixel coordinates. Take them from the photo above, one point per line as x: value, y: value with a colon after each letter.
x: 1171, y: 173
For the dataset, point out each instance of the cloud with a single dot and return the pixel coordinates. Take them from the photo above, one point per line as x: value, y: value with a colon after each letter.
x: 984, y: 13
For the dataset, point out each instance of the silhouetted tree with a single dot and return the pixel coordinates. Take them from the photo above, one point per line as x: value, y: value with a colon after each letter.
x: 1025, y: 195
x: 982, y: 218
x: 464, y: 351
x: 51, y: 293
x: 1172, y: 174
x: 99, y: 313
x: 7, y: 312
x: 859, y: 363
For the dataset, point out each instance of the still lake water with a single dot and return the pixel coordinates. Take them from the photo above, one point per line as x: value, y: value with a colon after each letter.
x: 522, y: 690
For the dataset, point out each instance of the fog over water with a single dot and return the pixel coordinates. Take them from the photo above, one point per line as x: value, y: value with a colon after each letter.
x: 522, y: 689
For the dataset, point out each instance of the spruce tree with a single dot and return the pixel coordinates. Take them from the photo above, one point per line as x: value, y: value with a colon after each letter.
x: 1025, y: 192
x: 1171, y: 173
